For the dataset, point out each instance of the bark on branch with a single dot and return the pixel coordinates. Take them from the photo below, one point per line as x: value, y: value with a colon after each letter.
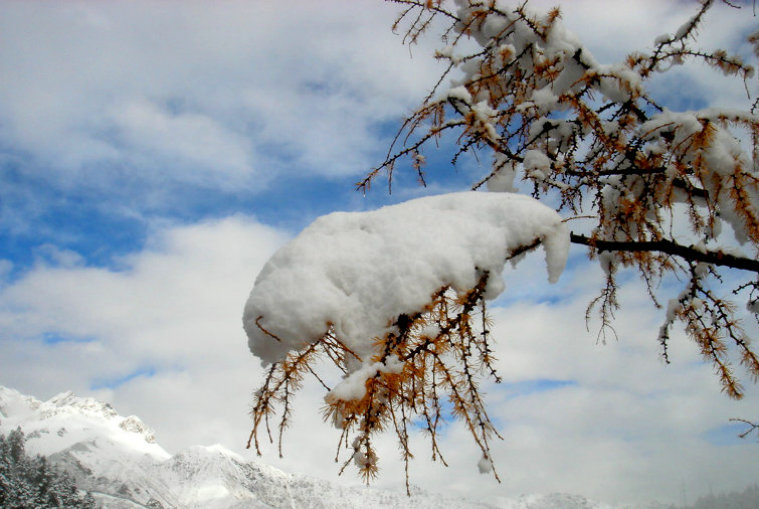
x: 672, y: 248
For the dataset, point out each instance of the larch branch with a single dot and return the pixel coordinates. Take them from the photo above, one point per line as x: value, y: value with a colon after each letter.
x: 672, y: 248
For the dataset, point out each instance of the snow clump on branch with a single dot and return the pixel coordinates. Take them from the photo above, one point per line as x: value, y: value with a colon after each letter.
x: 359, y: 271
x: 395, y: 299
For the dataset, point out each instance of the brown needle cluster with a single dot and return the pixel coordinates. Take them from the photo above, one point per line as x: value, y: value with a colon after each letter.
x: 429, y: 368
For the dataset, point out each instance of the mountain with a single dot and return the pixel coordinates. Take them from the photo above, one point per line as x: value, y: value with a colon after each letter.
x: 117, y: 459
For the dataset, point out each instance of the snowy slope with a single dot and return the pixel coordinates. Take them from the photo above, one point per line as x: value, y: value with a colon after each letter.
x: 118, y: 460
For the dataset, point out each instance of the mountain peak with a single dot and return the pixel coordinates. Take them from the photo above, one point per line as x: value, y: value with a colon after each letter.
x: 68, y: 402
x: 66, y: 420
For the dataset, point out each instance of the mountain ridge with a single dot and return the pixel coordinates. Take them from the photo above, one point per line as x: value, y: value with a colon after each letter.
x: 119, y: 461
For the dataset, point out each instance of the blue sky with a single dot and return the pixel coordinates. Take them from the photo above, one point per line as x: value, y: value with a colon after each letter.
x: 153, y: 155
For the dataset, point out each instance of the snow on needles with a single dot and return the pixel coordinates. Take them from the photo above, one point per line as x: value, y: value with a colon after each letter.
x: 360, y: 271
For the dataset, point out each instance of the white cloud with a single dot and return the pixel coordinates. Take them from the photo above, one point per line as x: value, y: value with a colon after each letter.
x: 189, y: 141
x: 242, y: 89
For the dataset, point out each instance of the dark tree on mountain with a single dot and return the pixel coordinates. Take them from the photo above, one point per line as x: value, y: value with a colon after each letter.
x: 642, y: 185
x: 32, y: 483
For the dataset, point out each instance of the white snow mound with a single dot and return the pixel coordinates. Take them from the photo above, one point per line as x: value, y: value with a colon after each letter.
x: 359, y: 271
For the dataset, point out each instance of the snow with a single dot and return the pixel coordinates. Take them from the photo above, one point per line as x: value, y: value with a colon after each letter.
x: 484, y: 465
x: 503, y: 180
x: 536, y: 164
x: 359, y: 271
x: 662, y: 39
x: 545, y: 98
x: 460, y: 93
x: 352, y: 388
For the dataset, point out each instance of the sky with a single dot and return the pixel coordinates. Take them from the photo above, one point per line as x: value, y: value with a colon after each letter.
x: 154, y: 154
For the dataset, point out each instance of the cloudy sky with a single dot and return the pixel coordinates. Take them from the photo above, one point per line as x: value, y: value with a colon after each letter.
x: 154, y: 154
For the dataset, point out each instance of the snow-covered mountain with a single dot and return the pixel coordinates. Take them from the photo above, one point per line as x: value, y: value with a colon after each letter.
x: 118, y: 460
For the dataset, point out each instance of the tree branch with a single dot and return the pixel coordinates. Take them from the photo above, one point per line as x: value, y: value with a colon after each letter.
x: 752, y: 427
x: 672, y: 248
x: 427, y: 6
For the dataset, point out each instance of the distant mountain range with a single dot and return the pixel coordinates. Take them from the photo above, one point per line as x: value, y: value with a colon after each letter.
x: 117, y: 459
